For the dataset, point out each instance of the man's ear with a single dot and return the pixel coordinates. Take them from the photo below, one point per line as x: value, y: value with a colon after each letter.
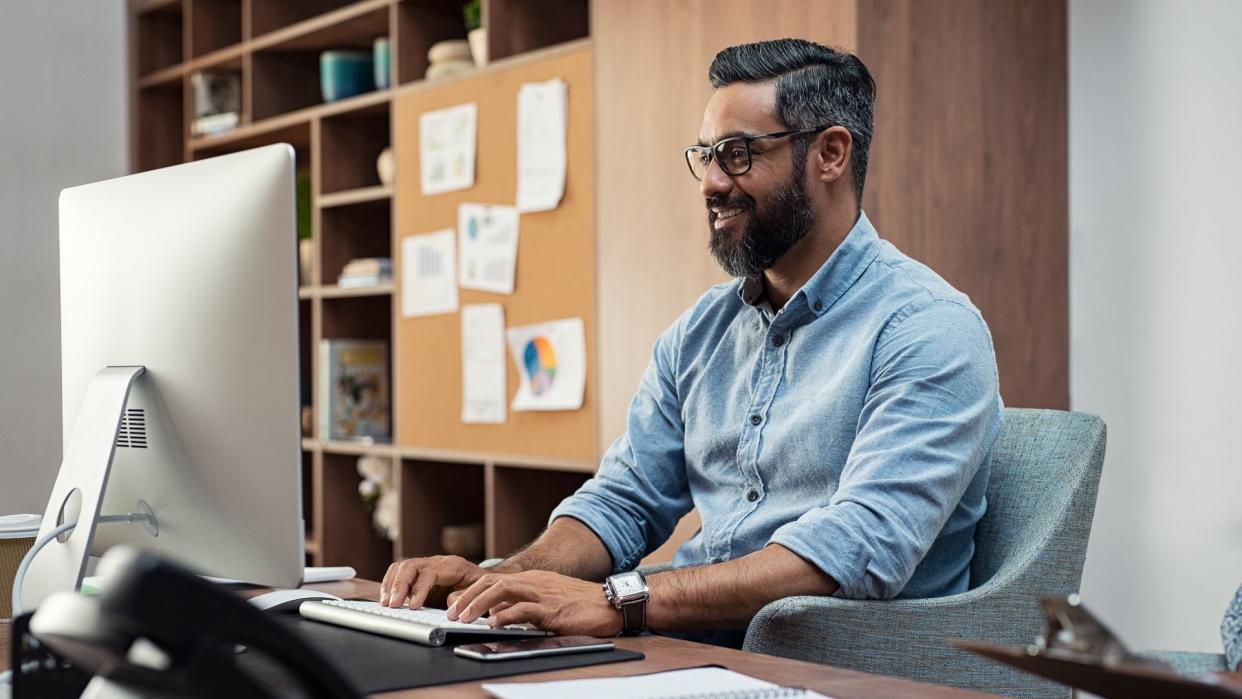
x: 831, y: 153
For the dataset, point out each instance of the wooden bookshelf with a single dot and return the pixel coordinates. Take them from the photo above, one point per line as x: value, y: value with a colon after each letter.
x: 274, y: 45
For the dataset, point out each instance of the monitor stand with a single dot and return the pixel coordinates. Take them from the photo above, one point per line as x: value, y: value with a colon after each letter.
x: 79, y: 490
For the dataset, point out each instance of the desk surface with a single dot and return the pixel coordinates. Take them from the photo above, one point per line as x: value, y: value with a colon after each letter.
x: 662, y: 654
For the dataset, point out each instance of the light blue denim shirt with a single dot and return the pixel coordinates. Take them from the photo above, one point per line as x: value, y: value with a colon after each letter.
x: 852, y: 427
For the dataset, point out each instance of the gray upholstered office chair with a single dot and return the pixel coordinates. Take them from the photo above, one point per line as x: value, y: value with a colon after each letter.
x: 1032, y: 541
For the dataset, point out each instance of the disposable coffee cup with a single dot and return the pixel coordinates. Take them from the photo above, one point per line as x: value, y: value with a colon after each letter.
x: 17, y: 535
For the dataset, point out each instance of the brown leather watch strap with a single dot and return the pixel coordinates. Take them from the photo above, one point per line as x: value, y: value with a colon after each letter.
x: 634, y: 618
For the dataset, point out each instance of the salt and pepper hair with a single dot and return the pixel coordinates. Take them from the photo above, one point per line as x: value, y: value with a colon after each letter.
x: 815, y: 86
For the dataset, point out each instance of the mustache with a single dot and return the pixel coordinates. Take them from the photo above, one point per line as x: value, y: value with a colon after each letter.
x: 721, y: 202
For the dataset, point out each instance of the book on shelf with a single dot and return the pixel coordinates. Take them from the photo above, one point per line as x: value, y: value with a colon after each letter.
x: 214, y: 123
x: 355, y: 396
x: 367, y: 271
x: 216, y: 92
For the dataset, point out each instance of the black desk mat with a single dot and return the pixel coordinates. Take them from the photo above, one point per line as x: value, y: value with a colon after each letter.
x: 376, y: 664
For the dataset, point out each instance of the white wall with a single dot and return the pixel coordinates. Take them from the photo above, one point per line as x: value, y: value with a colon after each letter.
x: 63, y: 107
x: 1156, y: 307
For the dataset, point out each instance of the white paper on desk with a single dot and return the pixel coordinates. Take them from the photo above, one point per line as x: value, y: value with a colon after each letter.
x: 428, y: 274
x: 488, y: 241
x: 542, y: 118
x: 446, y: 142
x: 695, y: 682
x: 484, y: 384
x: 551, y: 363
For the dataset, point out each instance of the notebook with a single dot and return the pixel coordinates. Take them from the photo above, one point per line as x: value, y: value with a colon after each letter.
x: 694, y: 683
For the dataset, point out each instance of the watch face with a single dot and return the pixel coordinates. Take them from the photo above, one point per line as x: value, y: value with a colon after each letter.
x: 627, y: 584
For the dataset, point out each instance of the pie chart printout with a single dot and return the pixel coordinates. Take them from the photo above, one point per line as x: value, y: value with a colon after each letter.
x: 540, y: 360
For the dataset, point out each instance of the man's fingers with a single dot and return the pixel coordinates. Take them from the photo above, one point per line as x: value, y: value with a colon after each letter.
x: 401, y: 582
x: 500, y: 607
x: 386, y: 583
x: 466, y: 596
x: 520, y: 613
x: 509, y: 588
x: 422, y: 586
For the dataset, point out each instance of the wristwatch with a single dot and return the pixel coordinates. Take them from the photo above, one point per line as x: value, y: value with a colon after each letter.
x: 629, y: 593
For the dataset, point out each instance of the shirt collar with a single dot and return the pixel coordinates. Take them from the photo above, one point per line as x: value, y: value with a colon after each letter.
x: 843, y: 267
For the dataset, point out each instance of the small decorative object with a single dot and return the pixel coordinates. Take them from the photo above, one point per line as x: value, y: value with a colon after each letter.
x: 378, y: 494
x: 306, y: 260
x: 385, y: 167
x: 217, y: 102
x: 449, y: 57
x: 345, y: 74
x: 366, y: 271
x: 465, y: 540
x: 354, y: 395
x: 381, y: 56
x: 472, y: 12
x: 308, y: 420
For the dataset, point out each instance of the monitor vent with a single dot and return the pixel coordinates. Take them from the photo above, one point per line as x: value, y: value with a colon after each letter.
x: 133, y: 432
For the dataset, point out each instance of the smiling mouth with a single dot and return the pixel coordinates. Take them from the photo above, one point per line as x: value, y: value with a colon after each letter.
x: 722, y: 215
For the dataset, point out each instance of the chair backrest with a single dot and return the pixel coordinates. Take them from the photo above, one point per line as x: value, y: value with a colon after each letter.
x: 1045, y: 471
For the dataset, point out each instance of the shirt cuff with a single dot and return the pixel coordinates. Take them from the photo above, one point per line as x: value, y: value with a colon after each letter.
x: 623, y: 543
x: 827, y: 539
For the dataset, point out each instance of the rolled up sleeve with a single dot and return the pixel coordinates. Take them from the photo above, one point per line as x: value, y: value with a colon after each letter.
x: 927, y: 426
x: 640, y: 491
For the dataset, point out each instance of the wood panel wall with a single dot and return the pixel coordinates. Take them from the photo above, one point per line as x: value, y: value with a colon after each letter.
x: 968, y: 165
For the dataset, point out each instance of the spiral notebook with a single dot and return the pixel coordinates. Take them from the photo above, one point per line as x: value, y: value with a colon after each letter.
x: 694, y: 683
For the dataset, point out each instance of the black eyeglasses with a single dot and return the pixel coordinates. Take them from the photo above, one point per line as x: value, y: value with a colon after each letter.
x: 732, y: 154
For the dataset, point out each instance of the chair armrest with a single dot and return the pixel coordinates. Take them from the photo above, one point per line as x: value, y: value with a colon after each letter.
x: 911, y: 634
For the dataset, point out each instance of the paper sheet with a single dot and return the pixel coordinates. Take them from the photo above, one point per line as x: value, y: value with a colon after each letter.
x: 694, y: 682
x: 446, y: 140
x: 428, y: 274
x: 488, y: 238
x: 551, y: 363
x: 484, y: 385
x: 542, y: 118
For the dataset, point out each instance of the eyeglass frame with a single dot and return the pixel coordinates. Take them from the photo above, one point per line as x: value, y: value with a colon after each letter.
x: 746, y: 141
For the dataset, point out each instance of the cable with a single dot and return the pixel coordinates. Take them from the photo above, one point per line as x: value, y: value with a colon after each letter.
x: 20, y: 579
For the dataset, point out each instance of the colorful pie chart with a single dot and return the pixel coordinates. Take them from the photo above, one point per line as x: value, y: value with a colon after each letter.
x: 540, y: 360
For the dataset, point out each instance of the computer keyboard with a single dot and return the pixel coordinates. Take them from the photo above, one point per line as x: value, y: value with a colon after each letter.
x: 427, y: 626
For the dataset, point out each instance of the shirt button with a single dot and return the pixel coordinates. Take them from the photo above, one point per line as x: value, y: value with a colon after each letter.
x: 755, y: 419
x: 778, y: 340
x: 752, y: 495
x: 819, y: 305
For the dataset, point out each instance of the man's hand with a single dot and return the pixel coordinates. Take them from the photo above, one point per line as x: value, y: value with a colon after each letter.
x: 550, y: 601
x: 414, y: 578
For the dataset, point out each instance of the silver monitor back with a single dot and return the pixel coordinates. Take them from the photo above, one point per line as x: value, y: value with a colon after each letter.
x: 190, y: 272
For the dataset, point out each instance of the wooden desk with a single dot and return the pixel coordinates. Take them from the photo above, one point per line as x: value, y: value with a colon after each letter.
x: 662, y: 654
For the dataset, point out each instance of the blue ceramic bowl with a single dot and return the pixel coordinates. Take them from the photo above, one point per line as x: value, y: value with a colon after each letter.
x: 345, y: 74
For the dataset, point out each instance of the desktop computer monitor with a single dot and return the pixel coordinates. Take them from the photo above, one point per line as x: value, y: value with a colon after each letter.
x: 179, y: 334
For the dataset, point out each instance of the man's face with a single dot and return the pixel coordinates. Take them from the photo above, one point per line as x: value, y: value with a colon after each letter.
x: 753, y: 218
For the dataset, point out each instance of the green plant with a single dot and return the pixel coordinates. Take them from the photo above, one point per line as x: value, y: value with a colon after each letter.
x: 473, y: 13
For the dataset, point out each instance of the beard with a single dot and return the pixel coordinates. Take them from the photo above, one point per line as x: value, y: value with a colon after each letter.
x: 769, y: 233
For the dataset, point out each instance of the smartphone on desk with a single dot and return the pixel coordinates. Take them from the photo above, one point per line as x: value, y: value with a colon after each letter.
x: 532, y: 647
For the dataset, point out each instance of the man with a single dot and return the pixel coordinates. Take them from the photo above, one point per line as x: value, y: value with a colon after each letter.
x: 830, y: 413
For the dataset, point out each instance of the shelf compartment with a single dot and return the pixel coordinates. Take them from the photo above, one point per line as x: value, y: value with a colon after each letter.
x: 435, y: 494
x: 356, y: 25
x: 306, y: 364
x: 296, y: 124
x: 270, y: 15
x: 214, y: 24
x: 349, y: 145
x: 419, y: 26
x: 161, y: 29
x: 160, y: 126
x: 522, y: 498
x: 351, y: 232
x: 358, y: 318
x: 348, y: 536
x: 528, y: 25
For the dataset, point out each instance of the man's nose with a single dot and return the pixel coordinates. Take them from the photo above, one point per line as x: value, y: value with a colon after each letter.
x: 715, y: 182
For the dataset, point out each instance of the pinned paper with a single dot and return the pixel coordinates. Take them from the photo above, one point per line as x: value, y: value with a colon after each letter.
x: 488, y: 238
x: 428, y: 279
x: 551, y: 362
x: 542, y: 118
x: 446, y: 140
x: 484, y: 386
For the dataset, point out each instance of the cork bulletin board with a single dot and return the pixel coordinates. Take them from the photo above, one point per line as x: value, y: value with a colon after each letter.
x: 556, y: 264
